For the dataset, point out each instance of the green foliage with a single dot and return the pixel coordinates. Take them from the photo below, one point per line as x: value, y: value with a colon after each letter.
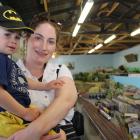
x: 114, y: 88
x: 81, y: 76
x: 91, y: 76
x: 133, y: 70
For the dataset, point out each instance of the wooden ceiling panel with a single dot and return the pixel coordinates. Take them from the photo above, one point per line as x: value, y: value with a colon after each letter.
x: 107, y: 17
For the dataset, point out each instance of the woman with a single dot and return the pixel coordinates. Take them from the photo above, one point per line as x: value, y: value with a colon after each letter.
x: 40, y: 47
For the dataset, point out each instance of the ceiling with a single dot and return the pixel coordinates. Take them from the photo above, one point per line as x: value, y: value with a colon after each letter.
x: 106, y: 17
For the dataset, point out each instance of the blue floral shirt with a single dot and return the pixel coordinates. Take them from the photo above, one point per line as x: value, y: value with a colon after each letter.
x: 13, y: 80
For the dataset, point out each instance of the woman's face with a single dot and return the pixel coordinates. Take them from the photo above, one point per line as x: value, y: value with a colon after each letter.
x: 42, y: 44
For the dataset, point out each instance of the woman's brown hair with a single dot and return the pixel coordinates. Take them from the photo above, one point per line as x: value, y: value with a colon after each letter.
x: 43, y: 18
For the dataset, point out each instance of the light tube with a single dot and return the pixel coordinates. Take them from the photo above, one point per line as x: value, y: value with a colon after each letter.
x: 85, y: 11
x: 98, y: 46
x: 137, y: 31
x: 83, y: 16
x: 76, y: 29
x: 109, y: 39
x: 91, y: 51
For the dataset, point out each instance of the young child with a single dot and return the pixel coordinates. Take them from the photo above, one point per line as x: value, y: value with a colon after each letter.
x: 14, y: 98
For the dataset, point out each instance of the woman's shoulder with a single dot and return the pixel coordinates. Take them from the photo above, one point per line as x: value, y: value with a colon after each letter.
x: 55, y: 65
x: 20, y: 63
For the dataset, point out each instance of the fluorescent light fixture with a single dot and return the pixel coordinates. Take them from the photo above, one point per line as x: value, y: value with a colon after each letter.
x: 98, y: 46
x: 76, y: 29
x: 137, y: 31
x: 83, y: 16
x: 109, y: 39
x: 85, y: 11
x: 91, y: 51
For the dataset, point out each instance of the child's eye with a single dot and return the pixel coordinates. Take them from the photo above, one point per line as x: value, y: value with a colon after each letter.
x: 18, y: 37
x: 7, y: 34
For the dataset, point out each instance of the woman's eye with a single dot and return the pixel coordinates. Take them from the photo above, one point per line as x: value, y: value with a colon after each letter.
x: 52, y: 42
x: 37, y: 38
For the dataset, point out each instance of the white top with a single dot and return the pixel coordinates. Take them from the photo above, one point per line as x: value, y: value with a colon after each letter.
x: 43, y: 98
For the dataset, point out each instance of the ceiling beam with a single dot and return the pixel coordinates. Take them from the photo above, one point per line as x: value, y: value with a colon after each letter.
x: 57, y: 12
x: 118, y: 41
x: 113, y: 20
x: 115, y: 5
x: 75, y: 45
x: 45, y: 5
x: 79, y: 2
x: 120, y: 32
x: 113, y: 42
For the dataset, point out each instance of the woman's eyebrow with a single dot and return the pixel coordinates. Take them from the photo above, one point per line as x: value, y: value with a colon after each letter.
x: 43, y: 36
x: 39, y: 34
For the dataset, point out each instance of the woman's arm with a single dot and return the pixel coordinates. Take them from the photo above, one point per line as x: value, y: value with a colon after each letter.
x: 21, y: 135
x: 66, y: 98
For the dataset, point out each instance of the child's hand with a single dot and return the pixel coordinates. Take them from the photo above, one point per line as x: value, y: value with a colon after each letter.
x: 31, y: 114
x: 54, y: 84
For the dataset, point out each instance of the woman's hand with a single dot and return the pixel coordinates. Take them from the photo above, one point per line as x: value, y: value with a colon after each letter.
x: 31, y: 114
x: 26, y: 135
x: 55, y: 84
x: 51, y: 137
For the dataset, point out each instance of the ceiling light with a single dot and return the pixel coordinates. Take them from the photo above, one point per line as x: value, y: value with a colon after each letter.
x: 83, y: 16
x: 54, y: 55
x: 98, y: 46
x: 137, y: 31
x: 109, y: 39
x: 91, y: 51
x: 85, y: 11
x: 76, y: 29
x: 59, y: 23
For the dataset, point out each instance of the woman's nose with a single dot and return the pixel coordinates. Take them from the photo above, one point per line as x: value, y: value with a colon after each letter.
x: 45, y: 45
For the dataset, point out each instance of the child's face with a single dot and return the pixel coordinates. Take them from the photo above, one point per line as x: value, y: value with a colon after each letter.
x: 9, y: 41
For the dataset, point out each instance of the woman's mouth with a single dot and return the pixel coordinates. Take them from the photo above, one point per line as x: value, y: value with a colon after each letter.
x: 41, y: 53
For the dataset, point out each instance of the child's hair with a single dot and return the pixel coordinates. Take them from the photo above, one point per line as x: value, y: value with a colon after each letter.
x: 43, y: 18
x: 10, y: 19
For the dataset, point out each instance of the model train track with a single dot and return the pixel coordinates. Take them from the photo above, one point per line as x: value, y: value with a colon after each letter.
x: 107, y: 128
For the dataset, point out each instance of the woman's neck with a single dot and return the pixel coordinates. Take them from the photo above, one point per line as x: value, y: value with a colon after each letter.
x: 36, y: 69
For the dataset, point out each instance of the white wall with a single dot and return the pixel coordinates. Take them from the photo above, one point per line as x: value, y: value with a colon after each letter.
x: 118, y: 58
x: 85, y: 63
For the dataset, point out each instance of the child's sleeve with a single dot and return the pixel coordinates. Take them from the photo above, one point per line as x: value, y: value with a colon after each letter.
x: 3, y: 71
